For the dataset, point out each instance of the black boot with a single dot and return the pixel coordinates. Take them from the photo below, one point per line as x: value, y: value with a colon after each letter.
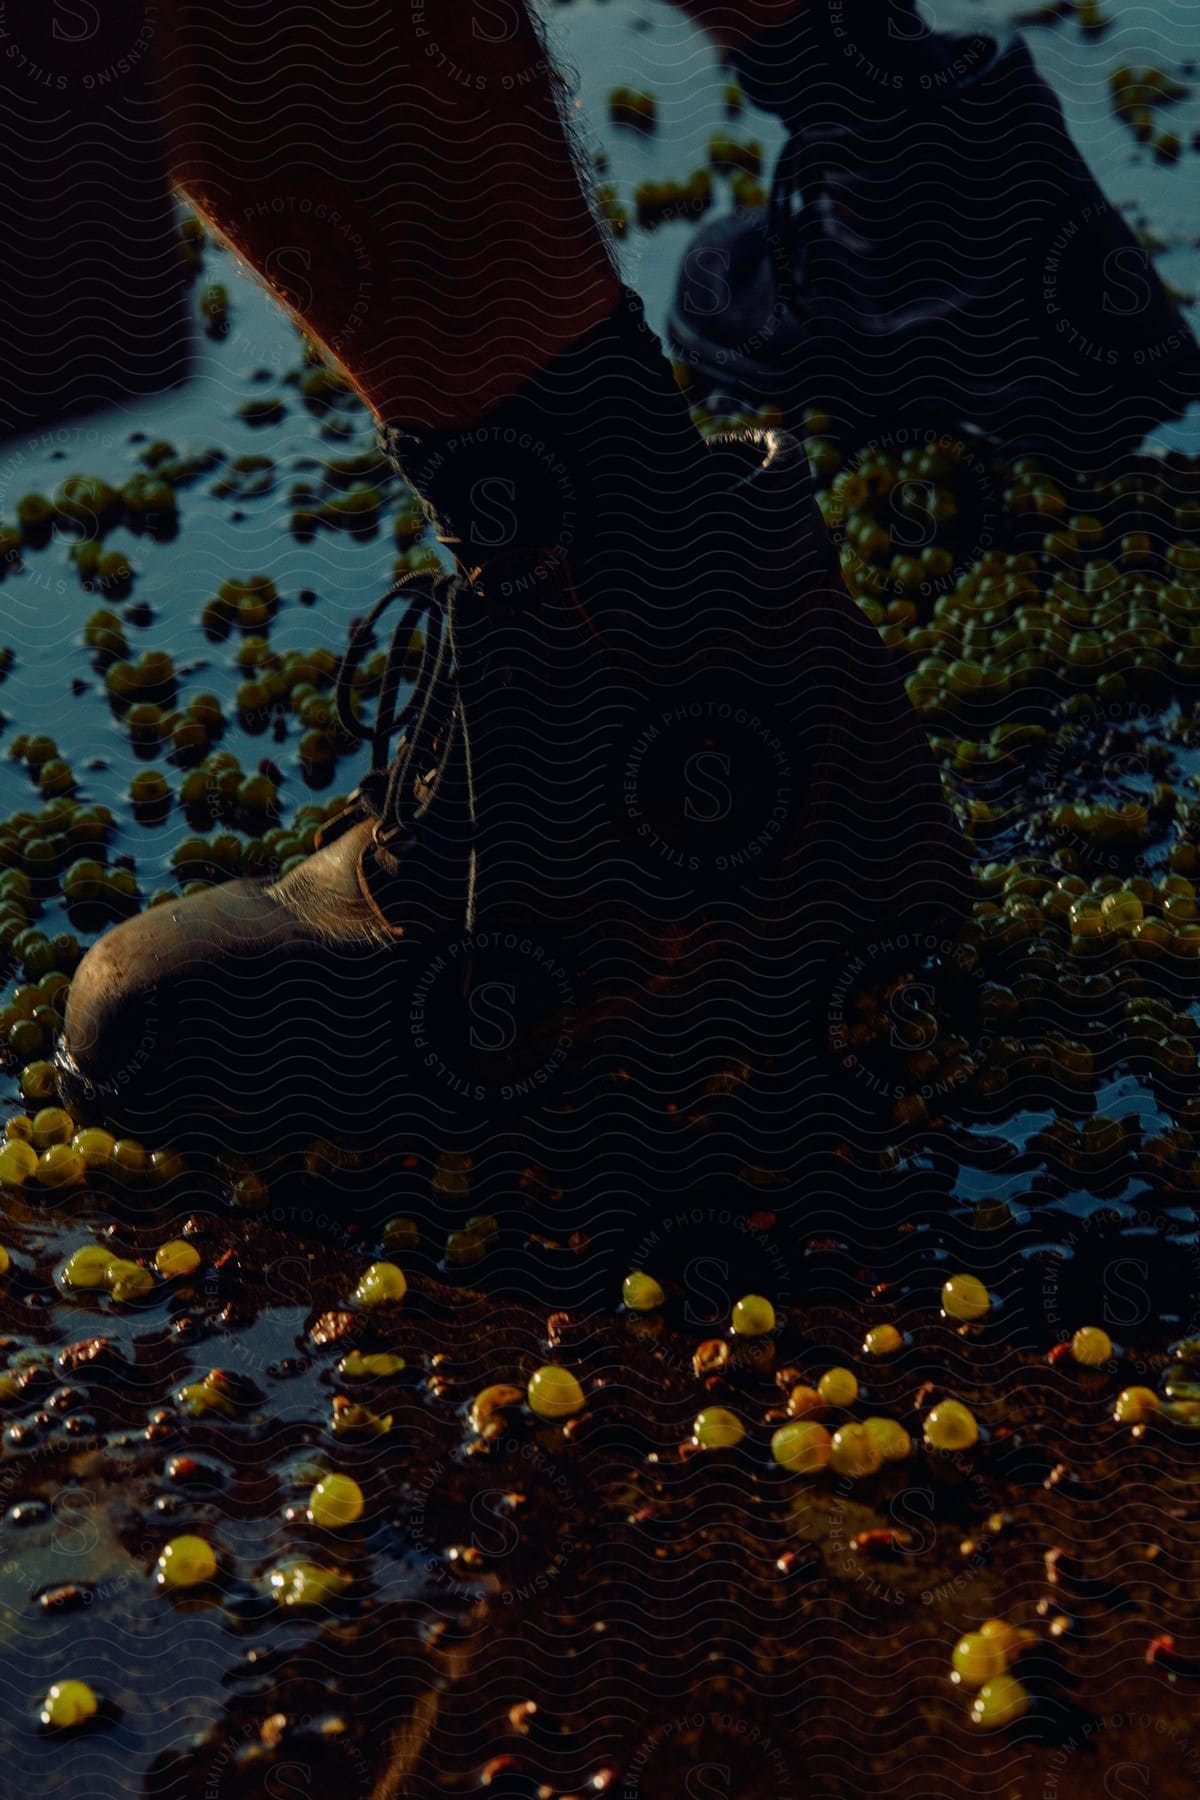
x: 656, y: 772
x: 936, y: 250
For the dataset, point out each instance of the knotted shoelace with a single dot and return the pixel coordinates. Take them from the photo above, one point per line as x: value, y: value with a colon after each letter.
x: 432, y: 715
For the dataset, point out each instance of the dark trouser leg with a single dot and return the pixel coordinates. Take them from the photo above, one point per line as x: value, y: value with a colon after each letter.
x: 400, y: 176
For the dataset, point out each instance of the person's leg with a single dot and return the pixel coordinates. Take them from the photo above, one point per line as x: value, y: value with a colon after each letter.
x: 435, y: 146
x: 727, y: 680
x: 400, y: 175
x: 935, y: 248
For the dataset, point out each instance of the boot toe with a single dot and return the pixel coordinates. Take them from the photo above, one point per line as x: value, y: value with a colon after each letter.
x: 108, y: 1037
x: 160, y: 1005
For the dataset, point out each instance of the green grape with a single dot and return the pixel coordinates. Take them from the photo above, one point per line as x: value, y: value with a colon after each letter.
x: 60, y: 1166
x: 464, y: 1248
x: 554, y: 1393
x: 882, y: 1340
x: 192, y: 854
x: 95, y: 1145
x: 249, y: 1193
x: 149, y: 788
x: 1000, y: 1702
x: 753, y: 1316
x: 641, y: 1293
x: 156, y: 669
x: 257, y: 794
x: 1121, y: 910
x: 355, y: 1366
x: 1011, y: 1641
x: 186, y: 1562
x: 127, y: 1280
x: 855, y: 1452
x: 68, y: 1703
x: 335, y: 1502
x: 195, y: 791
x: 1135, y: 1405
x: 1086, y: 919
x: 54, y: 984
x: 39, y: 1083
x: 977, y: 1659
x: 178, y: 1258
x: 317, y: 748
x: 253, y: 613
x: 838, y: 1387
x: 1092, y: 1347
x: 166, y: 1166
x: 401, y: 1234
x: 52, y: 1125
x: 26, y: 1039
x: 198, y: 1397
x: 129, y: 1158
x: 965, y: 1297
x: 56, y: 777
x: 145, y: 724
x: 894, y: 1442
x: 716, y: 1428
x: 39, y: 750
x: 214, y: 618
x: 36, y: 953
x: 84, y: 882
x: 950, y: 1426
x: 47, y: 1022
x: 189, y: 739
x: 382, y: 1284
x: 87, y: 1267
x: 206, y: 709
x: 251, y: 697
x: 317, y: 712
x: 18, y: 1162
x: 802, y: 1447
x: 304, y: 1584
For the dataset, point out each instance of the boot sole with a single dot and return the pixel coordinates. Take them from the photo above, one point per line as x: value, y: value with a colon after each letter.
x: 797, y: 385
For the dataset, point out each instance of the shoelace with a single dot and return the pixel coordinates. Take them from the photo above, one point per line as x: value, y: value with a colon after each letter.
x: 435, y: 704
x: 434, y: 714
